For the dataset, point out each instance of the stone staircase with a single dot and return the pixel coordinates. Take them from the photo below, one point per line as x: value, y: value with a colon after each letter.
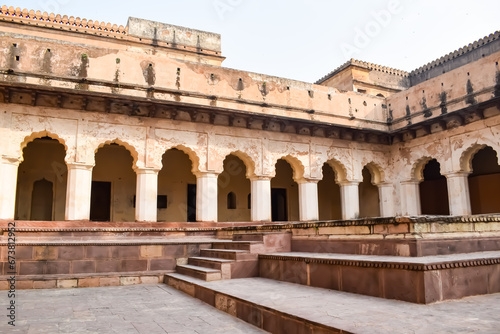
x: 236, y: 258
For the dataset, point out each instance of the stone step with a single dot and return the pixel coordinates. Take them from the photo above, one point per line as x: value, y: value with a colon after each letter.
x: 202, y: 273
x: 251, y: 246
x: 213, y: 263
x: 228, y: 254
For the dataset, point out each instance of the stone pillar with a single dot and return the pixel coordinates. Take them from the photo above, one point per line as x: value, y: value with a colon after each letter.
x: 308, y: 200
x: 261, y: 199
x: 8, y: 186
x: 385, y: 193
x: 349, y: 196
x: 410, y: 198
x: 458, y: 194
x: 78, y: 191
x: 206, y: 197
x: 146, y: 195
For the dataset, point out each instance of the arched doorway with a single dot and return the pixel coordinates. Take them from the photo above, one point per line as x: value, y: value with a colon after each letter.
x: 284, y: 194
x: 434, y: 190
x: 369, y: 200
x: 42, y: 180
x: 113, y: 185
x: 177, y: 188
x: 484, y: 182
x: 329, y: 199
x: 233, y: 191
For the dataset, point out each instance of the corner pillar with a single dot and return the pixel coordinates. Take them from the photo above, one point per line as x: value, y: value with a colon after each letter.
x: 349, y: 194
x: 458, y: 194
x: 78, y: 191
x: 8, y: 187
x: 261, y: 199
x: 147, y: 192
x: 410, y: 198
x: 308, y: 200
x: 206, y: 197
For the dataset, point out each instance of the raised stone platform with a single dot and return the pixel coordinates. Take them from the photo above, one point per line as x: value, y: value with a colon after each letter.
x: 287, y: 308
x: 421, y: 280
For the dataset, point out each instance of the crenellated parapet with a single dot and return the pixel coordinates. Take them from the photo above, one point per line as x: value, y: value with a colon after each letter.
x: 25, y: 16
x: 474, y: 51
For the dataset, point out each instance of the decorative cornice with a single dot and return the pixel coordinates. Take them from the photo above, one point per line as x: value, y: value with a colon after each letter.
x: 59, y: 21
x: 387, y: 265
x: 363, y: 64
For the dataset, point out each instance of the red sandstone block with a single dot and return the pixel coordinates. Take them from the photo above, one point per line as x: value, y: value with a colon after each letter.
x: 109, y: 281
x: 134, y: 265
x: 108, y: 266
x: 391, y: 229
x: 249, y: 313
x: 24, y: 252
x: 364, y: 281
x: 272, y: 322
x: 32, y: 268
x: 24, y: 285
x: 293, y: 272
x: 174, y: 251
x: 51, y: 284
x: 407, y: 285
x: 71, y: 252
x: 84, y: 267
x: 162, y: 264
x: 67, y: 283
x: 97, y: 252
x: 57, y: 267
x: 89, y: 282
x: 150, y: 280
x: 45, y: 252
x: 324, y: 276
x: 4, y: 285
x: 121, y: 252
x: 192, y: 250
x: 206, y: 295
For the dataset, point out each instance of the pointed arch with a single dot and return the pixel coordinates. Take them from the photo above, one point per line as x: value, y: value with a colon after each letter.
x: 417, y: 171
x: 131, y: 149
x: 468, y: 155
x: 339, y: 169
x: 376, y: 172
x: 195, y: 160
x: 41, y: 134
x: 297, y: 167
x: 247, y: 160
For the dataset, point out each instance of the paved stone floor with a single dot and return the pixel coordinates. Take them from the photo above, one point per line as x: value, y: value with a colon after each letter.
x: 147, y: 309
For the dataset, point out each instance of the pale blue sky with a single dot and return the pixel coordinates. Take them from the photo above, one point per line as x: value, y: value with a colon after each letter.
x: 305, y: 40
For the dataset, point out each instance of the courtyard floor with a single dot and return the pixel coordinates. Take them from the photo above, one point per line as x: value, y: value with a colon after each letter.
x: 145, y: 309
x: 159, y: 308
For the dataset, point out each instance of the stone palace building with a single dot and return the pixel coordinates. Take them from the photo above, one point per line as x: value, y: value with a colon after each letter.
x: 142, y: 127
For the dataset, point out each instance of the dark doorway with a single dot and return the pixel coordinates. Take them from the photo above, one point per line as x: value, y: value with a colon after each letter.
x: 41, y: 200
x: 100, y: 201
x: 279, y: 204
x: 484, y: 182
x: 191, y: 203
x: 434, y: 191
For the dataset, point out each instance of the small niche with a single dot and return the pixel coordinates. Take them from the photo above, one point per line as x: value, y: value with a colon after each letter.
x: 17, y: 58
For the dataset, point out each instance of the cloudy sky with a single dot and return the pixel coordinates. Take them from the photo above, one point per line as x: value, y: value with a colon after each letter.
x: 305, y: 40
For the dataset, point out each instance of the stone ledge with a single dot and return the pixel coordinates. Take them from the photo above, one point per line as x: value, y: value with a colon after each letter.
x: 403, y: 263
x: 83, y: 280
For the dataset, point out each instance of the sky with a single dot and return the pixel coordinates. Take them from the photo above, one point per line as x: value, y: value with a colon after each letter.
x: 305, y: 40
